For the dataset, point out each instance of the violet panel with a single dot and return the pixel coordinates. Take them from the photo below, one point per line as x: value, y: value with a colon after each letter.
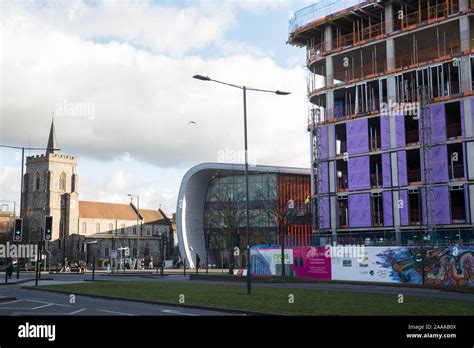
x: 441, y: 205
x: 403, y: 207
x: 400, y: 130
x: 439, y: 164
x: 324, y: 167
x: 402, y: 168
x: 387, y: 209
x: 385, y: 132
x: 324, y: 212
x: 357, y: 136
x: 386, y: 170
x: 438, y: 123
x: 359, y: 210
x: 323, y: 133
x: 358, y: 169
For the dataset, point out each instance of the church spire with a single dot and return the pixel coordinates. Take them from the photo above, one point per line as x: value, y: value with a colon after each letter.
x: 52, y: 143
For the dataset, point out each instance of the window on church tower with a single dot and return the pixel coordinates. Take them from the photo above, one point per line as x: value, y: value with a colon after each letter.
x: 62, y: 182
x: 37, y: 181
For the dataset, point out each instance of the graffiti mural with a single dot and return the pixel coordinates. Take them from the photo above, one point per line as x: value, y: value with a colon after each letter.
x: 451, y: 265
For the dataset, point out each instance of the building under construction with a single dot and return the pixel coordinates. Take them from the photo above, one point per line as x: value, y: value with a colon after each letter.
x: 390, y: 86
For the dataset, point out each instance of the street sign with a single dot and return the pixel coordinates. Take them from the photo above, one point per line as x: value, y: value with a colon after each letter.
x: 113, y: 254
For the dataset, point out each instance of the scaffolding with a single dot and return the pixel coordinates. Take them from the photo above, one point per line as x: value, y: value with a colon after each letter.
x: 426, y: 153
x: 315, y: 131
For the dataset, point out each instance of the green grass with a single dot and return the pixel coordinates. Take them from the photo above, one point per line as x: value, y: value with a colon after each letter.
x: 275, y: 300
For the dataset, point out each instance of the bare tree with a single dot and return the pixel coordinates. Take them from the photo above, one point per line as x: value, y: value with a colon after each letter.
x: 227, y: 215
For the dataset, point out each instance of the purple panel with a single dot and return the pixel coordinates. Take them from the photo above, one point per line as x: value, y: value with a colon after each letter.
x: 386, y: 170
x: 324, y: 176
x: 359, y: 210
x: 461, y: 105
x: 324, y: 142
x: 324, y: 212
x: 357, y: 136
x: 402, y: 168
x: 438, y: 123
x: 441, y: 206
x: 403, y: 207
x: 387, y: 209
x: 439, y: 164
x: 466, y: 203
x: 400, y: 130
x: 385, y: 132
x: 358, y: 173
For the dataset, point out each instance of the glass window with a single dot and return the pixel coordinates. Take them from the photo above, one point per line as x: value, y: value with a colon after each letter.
x: 111, y: 228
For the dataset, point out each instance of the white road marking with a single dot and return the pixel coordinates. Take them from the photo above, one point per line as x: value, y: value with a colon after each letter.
x: 3, y: 303
x: 173, y: 311
x: 78, y: 311
x: 112, y: 312
x: 43, y: 306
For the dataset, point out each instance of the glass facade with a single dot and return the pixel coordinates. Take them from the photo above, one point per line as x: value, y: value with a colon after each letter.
x: 269, y: 193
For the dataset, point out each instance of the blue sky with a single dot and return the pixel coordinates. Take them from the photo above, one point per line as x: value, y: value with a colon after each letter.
x: 133, y: 62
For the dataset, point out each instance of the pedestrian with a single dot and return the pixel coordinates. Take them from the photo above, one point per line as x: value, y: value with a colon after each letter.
x: 198, y: 261
x: 9, y: 268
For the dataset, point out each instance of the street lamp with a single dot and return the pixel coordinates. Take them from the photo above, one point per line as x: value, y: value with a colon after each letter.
x: 138, y: 224
x: 244, y: 89
x: 93, y: 257
x: 163, y: 239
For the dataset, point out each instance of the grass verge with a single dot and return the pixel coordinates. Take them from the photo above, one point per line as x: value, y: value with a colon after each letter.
x: 274, y: 300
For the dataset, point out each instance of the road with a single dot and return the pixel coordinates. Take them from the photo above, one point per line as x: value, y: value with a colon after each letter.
x: 42, y: 303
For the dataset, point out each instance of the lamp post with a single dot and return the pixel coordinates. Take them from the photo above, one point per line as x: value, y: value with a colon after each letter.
x: 244, y: 90
x: 138, y: 223
x: 93, y: 257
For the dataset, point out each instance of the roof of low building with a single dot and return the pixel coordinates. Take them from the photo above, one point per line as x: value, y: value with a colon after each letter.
x: 118, y: 211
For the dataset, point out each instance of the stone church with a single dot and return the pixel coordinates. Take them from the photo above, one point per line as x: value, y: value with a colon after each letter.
x: 81, y: 228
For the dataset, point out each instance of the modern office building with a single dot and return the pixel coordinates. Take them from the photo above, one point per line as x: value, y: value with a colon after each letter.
x: 211, y: 211
x: 391, y: 85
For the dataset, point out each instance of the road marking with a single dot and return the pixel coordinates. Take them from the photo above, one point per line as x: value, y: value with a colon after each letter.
x: 43, y: 306
x: 112, y: 312
x: 78, y: 311
x: 173, y: 311
x: 56, y: 304
x: 3, y: 303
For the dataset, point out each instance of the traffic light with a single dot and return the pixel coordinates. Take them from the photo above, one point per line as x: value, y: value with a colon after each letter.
x: 48, y: 228
x: 18, y: 229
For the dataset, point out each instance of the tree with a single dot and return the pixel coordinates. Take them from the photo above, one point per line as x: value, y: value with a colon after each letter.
x: 227, y: 214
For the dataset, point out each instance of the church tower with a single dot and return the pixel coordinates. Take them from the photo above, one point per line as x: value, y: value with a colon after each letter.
x: 50, y: 188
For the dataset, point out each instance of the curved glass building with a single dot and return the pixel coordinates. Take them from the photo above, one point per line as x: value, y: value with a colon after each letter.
x: 211, y: 211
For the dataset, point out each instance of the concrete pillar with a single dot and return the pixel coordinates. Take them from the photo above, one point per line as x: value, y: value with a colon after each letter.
x: 329, y: 104
x: 328, y: 37
x: 465, y: 33
x: 463, y: 5
x: 468, y: 120
x: 329, y: 71
x: 390, y: 48
x: 465, y: 73
x: 388, y: 18
x: 333, y: 206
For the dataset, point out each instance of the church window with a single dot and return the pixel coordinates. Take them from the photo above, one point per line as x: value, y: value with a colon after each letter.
x: 122, y: 229
x: 106, y: 252
x: 111, y: 228
x: 84, y: 228
x: 97, y: 228
x: 37, y: 181
x: 62, y: 182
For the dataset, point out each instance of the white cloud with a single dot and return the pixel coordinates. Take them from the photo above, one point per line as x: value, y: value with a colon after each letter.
x: 141, y: 87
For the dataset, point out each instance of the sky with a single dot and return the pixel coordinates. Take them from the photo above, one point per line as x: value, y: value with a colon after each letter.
x: 117, y: 75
